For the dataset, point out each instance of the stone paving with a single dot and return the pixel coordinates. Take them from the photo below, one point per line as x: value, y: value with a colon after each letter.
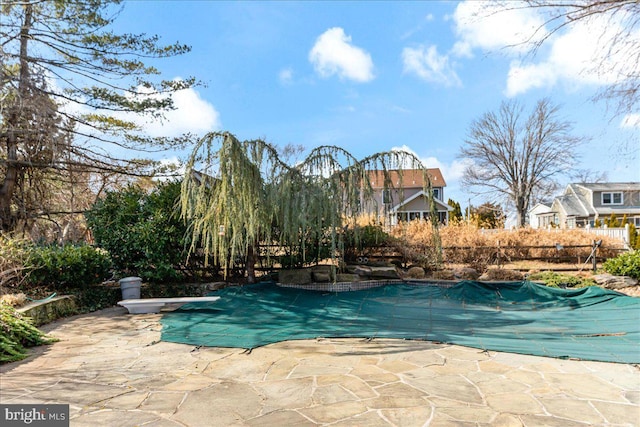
x: 112, y: 370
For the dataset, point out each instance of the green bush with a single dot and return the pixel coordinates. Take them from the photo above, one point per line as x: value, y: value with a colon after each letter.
x: 634, y: 237
x: 627, y: 264
x: 142, y: 231
x: 69, y: 266
x: 362, y: 239
x: 16, y: 333
x: 557, y: 280
x: 96, y: 297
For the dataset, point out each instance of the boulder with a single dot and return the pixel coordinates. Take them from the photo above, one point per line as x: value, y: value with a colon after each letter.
x: 295, y: 276
x: 415, y: 273
x: 442, y: 275
x: 609, y: 281
x: 361, y: 270
x: 347, y: 278
x: 319, y: 276
x: 501, y: 274
x: 384, y: 273
x: 465, y: 273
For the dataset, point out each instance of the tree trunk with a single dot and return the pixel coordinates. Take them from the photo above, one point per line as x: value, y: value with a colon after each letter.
x: 7, y: 221
x: 7, y: 189
x: 251, y: 264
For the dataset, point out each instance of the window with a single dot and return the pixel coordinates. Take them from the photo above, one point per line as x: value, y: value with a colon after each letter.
x: 436, y: 193
x: 386, y: 196
x: 612, y: 198
x: 636, y: 221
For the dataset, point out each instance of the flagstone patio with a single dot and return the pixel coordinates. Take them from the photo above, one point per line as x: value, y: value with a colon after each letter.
x: 112, y: 370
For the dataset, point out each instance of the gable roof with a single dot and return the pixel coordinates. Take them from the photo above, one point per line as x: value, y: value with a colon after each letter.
x: 609, y: 186
x: 411, y: 178
x: 439, y: 203
x: 571, y: 205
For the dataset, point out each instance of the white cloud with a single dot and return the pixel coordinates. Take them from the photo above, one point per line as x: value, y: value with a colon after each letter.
x: 429, y: 65
x: 481, y: 25
x: 285, y: 76
x: 521, y: 78
x: 333, y: 54
x: 451, y: 172
x: 631, y: 121
x: 576, y: 55
x: 191, y: 114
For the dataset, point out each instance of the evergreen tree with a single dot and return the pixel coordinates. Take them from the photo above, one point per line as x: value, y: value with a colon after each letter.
x: 71, y: 89
x: 456, y: 214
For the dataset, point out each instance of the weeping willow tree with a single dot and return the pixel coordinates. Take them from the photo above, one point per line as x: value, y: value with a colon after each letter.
x: 240, y: 194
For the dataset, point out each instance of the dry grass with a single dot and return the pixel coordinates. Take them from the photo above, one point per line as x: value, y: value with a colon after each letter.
x: 14, y: 300
x: 465, y: 244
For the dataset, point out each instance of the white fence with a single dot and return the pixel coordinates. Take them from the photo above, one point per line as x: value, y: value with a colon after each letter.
x: 620, y: 233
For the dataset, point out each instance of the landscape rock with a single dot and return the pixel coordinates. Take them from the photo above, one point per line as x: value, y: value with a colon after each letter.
x: 384, y: 273
x: 466, y: 273
x: 298, y: 276
x: 415, y: 273
x: 347, y: 278
x: 501, y: 274
x: 442, y: 275
x: 319, y: 276
x: 362, y: 271
x: 609, y: 281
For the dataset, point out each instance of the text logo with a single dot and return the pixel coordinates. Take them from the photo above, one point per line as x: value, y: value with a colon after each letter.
x: 34, y: 415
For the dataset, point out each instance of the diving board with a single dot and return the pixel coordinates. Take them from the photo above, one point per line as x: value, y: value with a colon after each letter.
x: 153, y: 305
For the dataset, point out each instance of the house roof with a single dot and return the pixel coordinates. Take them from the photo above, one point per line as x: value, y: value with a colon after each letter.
x: 441, y: 206
x: 541, y: 207
x: 572, y: 205
x: 610, y: 186
x: 411, y: 178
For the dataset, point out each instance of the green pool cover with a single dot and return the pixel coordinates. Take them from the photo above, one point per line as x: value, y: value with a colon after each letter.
x: 519, y: 317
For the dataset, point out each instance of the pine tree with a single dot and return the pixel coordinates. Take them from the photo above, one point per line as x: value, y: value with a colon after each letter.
x: 70, y: 89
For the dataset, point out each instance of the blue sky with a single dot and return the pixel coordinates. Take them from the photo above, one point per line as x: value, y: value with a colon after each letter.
x: 371, y: 76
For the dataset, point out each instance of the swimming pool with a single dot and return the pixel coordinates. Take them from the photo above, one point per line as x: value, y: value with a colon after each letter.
x: 520, y: 317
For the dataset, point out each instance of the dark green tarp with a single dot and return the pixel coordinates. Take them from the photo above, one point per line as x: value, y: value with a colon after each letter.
x: 520, y: 317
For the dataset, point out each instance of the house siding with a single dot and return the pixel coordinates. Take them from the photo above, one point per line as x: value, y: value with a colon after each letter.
x: 404, y: 196
x: 581, y: 204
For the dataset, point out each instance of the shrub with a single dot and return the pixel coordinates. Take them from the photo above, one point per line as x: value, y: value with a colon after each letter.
x: 16, y: 333
x: 558, y: 280
x: 96, y: 297
x: 68, y: 266
x: 143, y: 232
x: 13, y: 253
x: 634, y: 238
x: 627, y: 264
x: 363, y: 239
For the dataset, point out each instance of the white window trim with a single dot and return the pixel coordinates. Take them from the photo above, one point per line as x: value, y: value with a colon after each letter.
x: 611, y: 193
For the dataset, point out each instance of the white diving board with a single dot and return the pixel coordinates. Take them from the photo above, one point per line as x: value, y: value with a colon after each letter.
x: 153, y: 305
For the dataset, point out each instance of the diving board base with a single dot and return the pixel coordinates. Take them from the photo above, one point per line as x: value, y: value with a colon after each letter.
x: 154, y: 305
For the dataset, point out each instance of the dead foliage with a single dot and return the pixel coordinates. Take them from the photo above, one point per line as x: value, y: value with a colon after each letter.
x: 466, y: 244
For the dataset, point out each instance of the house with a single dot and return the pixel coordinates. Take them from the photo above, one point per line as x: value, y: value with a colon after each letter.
x: 406, y: 199
x: 582, y: 204
x: 536, y: 217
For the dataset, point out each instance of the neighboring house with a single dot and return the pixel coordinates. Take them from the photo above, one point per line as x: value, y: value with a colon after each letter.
x: 407, y: 200
x: 537, y: 219
x: 582, y: 204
